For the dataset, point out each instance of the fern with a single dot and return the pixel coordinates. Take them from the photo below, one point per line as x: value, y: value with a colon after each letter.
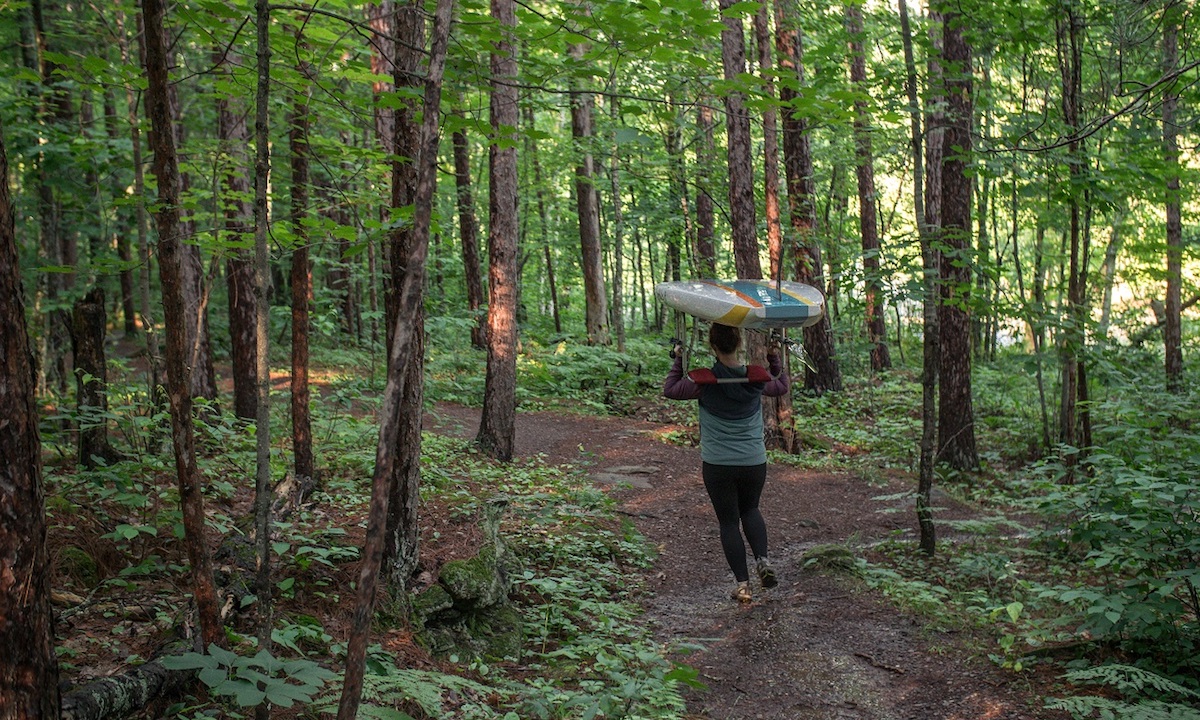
x: 1152, y: 696
x: 427, y: 690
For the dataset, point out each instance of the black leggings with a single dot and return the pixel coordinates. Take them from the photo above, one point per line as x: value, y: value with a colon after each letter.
x: 734, y: 492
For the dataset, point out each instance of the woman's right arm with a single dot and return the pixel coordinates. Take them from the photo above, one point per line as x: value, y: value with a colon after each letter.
x: 678, y: 386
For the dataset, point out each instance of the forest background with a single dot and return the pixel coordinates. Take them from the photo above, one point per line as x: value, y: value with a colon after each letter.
x: 996, y: 199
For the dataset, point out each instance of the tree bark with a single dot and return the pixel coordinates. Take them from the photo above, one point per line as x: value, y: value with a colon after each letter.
x: 743, y: 225
x: 867, y: 220
x: 618, y: 231
x: 304, y: 466
x: 400, y: 554
x: 1172, y: 328
x: 928, y: 541
x: 956, y: 420
x: 588, y: 211
x: 233, y: 140
x: 777, y: 412
x: 468, y: 230
x: 824, y: 374
x: 497, y: 427
x: 29, y: 672
x: 89, y: 323
x: 166, y: 170
x: 543, y: 218
x: 410, y: 299
x: 706, y: 252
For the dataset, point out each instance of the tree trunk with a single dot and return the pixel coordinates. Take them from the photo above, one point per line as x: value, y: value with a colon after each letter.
x: 867, y: 222
x: 29, y: 672
x: 400, y: 554
x: 543, y: 218
x: 407, y: 326
x: 166, y: 171
x: 743, y: 225
x: 56, y: 116
x: 497, y: 426
x: 468, y: 230
x: 89, y: 323
x: 263, y: 494
x: 304, y: 468
x: 139, y: 189
x: 777, y: 412
x: 1072, y: 337
x: 706, y: 252
x: 1172, y: 329
x: 587, y: 207
x: 956, y: 420
x: 1108, y: 271
x: 824, y: 374
x: 928, y: 541
x: 618, y: 231
x: 234, y: 138
x: 120, y: 235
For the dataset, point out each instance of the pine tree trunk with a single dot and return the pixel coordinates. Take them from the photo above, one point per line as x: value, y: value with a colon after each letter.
x: 824, y: 374
x: 89, y: 323
x: 497, y: 426
x: 468, y: 230
x: 588, y: 211
x: 411, y: 294
x: 706, y: 252
x: 400, y: 555
x: 233, y: 138
x: 304, y: 466
x: 1172, y: 329
x: 743, y: 225
x: 166, y: 171
x: 777, y: 412
x: 956, y: 420
x: 618, y: 231
x: 543, y: 218
x: 867, y: 220
x: 29, y: 671
x: 929, y: 368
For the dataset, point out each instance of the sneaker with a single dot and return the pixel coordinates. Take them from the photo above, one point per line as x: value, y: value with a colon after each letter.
x: 766, y: 573
x: 741, y: 593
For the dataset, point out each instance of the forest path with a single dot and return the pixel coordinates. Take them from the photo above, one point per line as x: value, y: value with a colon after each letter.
x: 819, y: 646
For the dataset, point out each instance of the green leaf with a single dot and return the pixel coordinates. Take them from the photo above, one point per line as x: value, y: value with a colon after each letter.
x: 188, y: 661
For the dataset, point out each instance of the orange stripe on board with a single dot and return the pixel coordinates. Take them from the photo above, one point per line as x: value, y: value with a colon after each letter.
x: 740, y: 294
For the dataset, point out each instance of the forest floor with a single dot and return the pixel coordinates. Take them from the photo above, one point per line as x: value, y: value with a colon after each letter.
x: 821, y: 645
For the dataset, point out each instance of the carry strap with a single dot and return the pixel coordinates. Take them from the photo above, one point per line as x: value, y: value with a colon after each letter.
x: 754, y: 373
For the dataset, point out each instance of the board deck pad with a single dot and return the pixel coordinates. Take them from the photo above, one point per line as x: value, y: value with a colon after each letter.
x: 745, y: 303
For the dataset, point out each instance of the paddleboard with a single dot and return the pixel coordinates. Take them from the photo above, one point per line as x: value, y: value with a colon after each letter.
x: 745, y: 303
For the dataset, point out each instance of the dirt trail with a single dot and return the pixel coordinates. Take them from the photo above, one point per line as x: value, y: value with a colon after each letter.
x: 816, y: 647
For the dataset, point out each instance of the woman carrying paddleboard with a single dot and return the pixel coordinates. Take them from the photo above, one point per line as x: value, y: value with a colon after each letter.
x: 731, y: 445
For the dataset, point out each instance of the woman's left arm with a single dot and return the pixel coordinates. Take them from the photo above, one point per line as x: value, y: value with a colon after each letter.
x: 780, y: 383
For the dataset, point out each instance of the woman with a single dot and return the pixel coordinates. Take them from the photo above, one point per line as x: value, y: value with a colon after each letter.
x: 731, y: 445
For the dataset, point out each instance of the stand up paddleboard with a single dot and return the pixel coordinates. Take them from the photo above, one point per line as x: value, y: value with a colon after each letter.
x: 747, y: 304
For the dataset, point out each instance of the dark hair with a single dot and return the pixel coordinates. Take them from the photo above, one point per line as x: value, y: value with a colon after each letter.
x: 724, y: 338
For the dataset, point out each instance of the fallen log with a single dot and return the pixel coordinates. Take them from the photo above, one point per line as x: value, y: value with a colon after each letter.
x: 127, y: 694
